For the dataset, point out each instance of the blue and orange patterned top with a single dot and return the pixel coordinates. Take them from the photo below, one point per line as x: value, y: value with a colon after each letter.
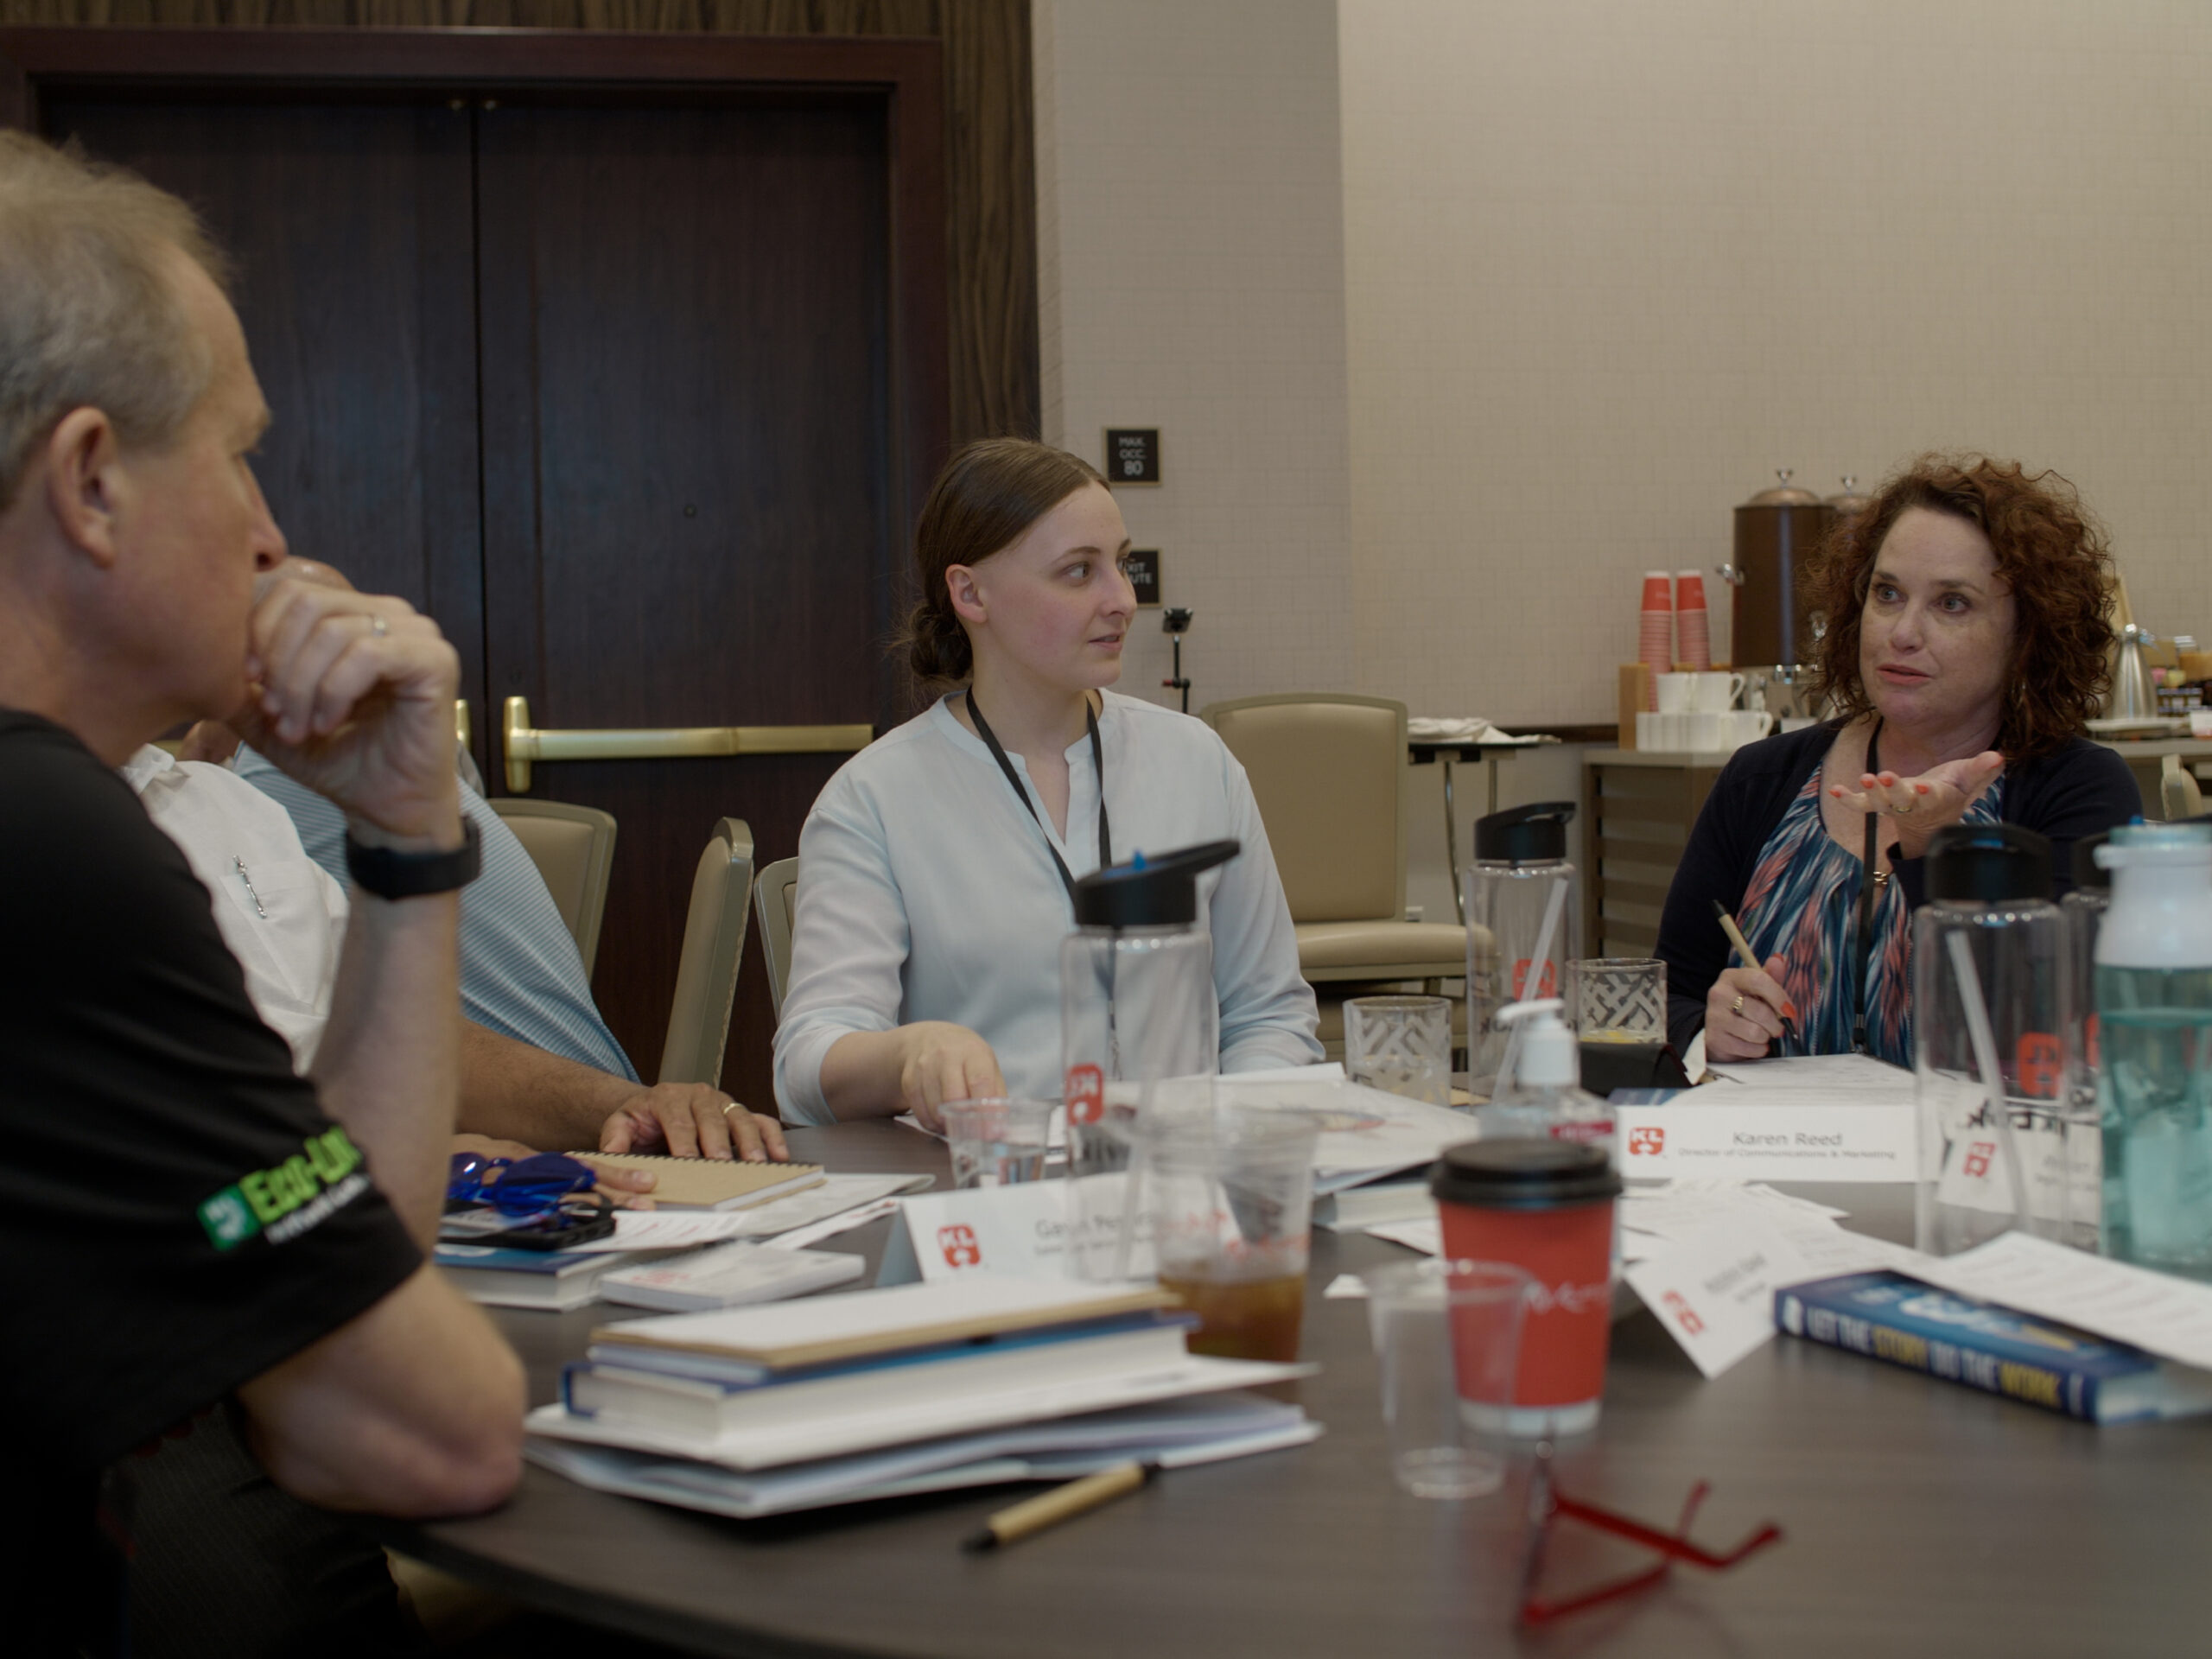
x: 1802, y: 905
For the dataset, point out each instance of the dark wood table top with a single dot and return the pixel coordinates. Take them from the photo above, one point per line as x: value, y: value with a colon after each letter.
x: 1921, y: 1517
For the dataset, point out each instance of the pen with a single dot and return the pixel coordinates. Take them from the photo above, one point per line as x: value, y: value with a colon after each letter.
x: 1012, y: 1525
x: 1744, y: 949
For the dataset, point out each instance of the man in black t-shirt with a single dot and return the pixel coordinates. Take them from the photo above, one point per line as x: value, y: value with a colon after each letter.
x: 183, y: 1221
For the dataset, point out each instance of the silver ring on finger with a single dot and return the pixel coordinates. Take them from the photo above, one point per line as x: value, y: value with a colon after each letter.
x: 728, y: 1106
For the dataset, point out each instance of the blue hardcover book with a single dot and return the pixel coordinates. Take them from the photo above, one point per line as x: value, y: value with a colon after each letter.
x: 1901, y: 1321
x: 489, y: 1258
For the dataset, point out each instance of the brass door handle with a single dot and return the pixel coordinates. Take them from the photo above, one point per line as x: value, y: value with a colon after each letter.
x: 526, y: 744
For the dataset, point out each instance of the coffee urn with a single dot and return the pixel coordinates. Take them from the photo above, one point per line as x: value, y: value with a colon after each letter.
x: 1777, y: 532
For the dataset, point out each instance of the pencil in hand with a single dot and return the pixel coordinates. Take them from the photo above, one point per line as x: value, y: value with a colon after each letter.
x: 1744, y: 953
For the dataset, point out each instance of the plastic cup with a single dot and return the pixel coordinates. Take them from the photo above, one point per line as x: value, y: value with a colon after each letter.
x: 1547, y: 1207
x: 1230, y: 1190
x: 995, y: 1142
x: 1447, y: 1343
x: 1402, y: 1044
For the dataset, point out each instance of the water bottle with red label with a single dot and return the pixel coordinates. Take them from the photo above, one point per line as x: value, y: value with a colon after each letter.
x: 1520, y: 924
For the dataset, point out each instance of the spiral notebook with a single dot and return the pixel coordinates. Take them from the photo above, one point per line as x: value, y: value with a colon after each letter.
x: 710, y: 1183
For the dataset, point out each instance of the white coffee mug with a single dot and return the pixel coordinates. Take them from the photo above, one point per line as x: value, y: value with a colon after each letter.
x: 1746, y: 726
x: 1716, y: 691
x: 1677, y: 692
x: 1705, y: 730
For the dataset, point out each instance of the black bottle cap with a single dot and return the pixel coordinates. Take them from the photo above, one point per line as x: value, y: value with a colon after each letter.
x: 2088, y: 872
x: 1524, y: 1174
x: 1535, y: 834
x: 1161, y: 892
x: 1992, y: 863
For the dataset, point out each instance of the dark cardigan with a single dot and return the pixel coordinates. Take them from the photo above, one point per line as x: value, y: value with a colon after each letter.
x: 2081, y: 789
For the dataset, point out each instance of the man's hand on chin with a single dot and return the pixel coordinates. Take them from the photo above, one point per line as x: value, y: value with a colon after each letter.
x: 353, y: 694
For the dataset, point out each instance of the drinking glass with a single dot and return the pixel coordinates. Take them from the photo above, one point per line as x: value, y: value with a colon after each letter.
x: 1617, y: 999
x: 1402, y: 1044
x: 995, y: 1142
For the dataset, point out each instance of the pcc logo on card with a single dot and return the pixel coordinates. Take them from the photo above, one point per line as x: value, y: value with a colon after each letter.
x: 960, y: 1246
x: 1085, y: 1086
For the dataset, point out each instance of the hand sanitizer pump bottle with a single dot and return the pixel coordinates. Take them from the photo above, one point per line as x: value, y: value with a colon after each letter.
x: 1541, y: 1098
x: 2154, y: 1038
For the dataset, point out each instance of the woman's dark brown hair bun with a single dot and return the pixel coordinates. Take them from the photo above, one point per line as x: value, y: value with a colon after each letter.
x: 984, y: 501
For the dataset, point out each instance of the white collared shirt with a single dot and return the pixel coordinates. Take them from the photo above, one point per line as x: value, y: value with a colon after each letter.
x: 926, y: 892
x: 282, y: 916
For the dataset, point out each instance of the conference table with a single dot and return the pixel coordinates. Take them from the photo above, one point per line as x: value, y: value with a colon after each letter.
x: 1918, y: 1517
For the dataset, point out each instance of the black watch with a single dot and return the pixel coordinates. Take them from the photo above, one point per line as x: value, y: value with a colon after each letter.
x: 390, y: 874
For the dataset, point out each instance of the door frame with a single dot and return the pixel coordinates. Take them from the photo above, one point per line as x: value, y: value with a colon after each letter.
x: 906, y: 73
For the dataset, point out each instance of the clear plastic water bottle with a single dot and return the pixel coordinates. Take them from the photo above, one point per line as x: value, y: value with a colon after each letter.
x: 1990, y: 1031
x: 2083, y: 910
x: 1137, y: 1001
x: 2154, y: 1038
x: 1520, y: 924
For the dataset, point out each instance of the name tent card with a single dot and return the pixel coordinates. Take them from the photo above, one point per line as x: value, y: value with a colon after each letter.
x: 1037, y: 1229
x: 1805, y: 1139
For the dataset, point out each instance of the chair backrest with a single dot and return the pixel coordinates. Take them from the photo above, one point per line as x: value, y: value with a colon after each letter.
x: 1328, y: 771
x: 574, y: 849
x: 713, y: 944
x: 2179, y: 791
x: 775, y: 900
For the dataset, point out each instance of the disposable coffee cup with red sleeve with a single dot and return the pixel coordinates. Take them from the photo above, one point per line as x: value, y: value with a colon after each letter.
x: 1545, y: 1206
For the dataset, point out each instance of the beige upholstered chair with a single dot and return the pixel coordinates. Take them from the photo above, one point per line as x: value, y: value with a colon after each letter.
x: 574, y: 849
x: 714, y: 943
x: 1328, y: 771
x: 775, y: 904
x: 2178, y: 790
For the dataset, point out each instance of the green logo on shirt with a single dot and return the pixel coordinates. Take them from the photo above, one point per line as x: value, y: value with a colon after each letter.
x: 238, y: 1212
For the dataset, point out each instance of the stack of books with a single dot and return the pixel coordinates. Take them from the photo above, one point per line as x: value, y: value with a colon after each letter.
x: 983, y: 1378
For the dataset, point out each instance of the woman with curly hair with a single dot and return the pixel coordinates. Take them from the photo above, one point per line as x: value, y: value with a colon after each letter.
x: 1970, y: 618
x: 937, y: 870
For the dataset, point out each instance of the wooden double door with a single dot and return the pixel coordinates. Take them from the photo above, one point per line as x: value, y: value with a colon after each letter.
x: 633, y: 384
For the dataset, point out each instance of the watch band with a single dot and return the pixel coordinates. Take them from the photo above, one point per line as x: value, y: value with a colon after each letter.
x: 390, y: 874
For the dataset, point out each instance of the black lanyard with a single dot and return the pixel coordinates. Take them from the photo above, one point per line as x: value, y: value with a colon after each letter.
x: 1098, y: 759
x: 1859, y: 1043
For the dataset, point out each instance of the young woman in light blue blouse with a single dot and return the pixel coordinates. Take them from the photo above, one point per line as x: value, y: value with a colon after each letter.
x: 934, y: 870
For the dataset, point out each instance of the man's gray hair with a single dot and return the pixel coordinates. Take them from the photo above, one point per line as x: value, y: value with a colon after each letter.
x: 89, y: 311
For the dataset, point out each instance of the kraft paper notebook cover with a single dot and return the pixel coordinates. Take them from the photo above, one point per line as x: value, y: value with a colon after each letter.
x: 710, y: 1183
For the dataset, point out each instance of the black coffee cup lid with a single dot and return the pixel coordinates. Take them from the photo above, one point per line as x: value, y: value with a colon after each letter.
x: 1524, y: 1174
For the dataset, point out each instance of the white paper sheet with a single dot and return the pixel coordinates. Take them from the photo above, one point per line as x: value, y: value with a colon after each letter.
x: 1425, y: 1234
x: 2163, y: 1315
x: 1855, y: 1073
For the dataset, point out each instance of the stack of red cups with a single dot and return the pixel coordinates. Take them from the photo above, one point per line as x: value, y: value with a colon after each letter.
x: 1691, y: 622
x: 1656, y: 640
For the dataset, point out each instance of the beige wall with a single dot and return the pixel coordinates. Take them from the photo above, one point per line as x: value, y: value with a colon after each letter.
x: 1608, y: 264
x: 1191, y: 253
